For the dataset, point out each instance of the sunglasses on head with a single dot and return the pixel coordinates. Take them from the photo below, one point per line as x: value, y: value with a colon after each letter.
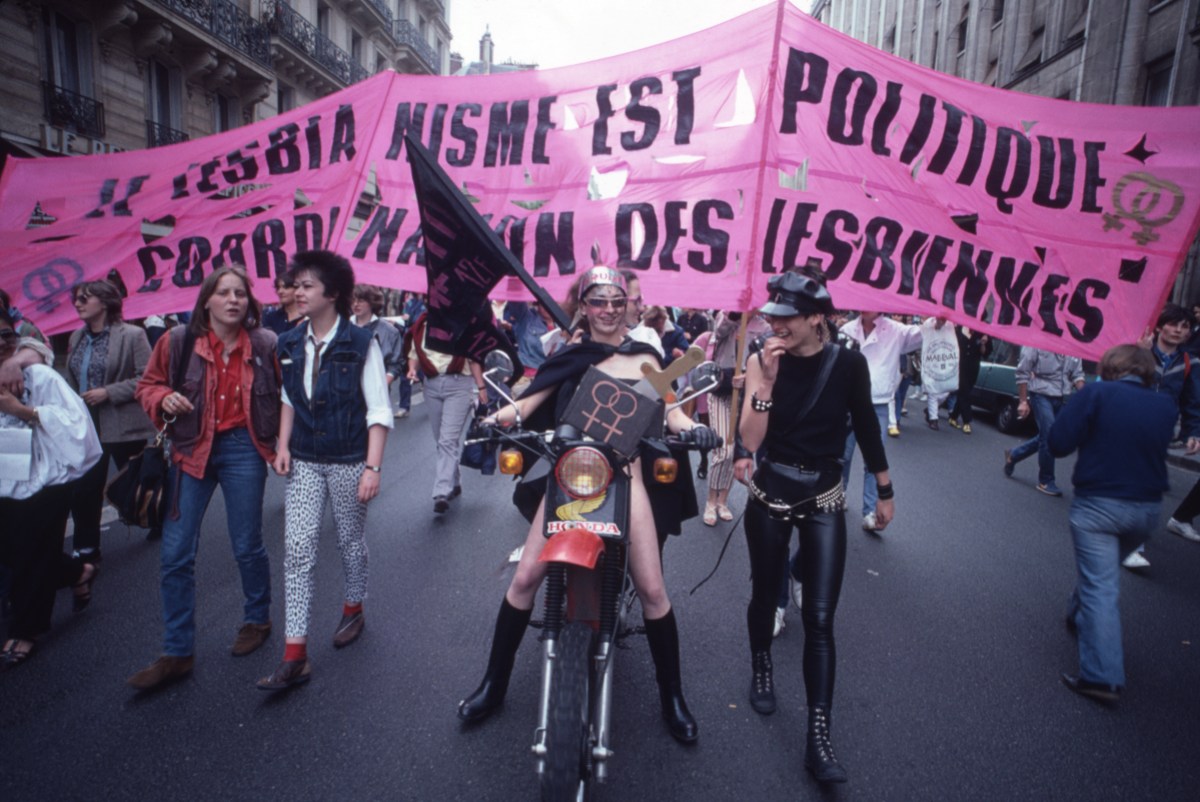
x: 600, y: 303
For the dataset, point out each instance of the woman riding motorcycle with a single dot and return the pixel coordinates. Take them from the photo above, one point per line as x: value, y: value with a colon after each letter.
x: 603, y: 296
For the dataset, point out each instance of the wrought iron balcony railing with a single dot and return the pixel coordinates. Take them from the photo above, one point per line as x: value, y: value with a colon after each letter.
x: 407, y: 34
x: 301, y: 34
x: 67, y: 109
x: 358, y: 72
x: 158, y: 135
x: 224, y: 20
x: 382, y: 7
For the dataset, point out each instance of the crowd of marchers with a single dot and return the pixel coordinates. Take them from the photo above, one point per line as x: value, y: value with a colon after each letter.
x: 304, y: 388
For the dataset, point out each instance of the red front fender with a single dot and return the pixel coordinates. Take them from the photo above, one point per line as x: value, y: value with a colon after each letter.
x: 574, y: 546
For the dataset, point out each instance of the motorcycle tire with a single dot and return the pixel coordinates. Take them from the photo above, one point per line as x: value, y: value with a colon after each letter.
x: 567, y: 774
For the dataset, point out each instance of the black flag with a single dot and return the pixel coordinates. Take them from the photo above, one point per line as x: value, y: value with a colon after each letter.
x: 464, y: 260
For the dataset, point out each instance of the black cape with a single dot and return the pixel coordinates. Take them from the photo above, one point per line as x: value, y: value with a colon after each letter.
x: 671, y: 504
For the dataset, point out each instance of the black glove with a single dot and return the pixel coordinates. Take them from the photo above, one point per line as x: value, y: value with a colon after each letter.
x: 704, y: 438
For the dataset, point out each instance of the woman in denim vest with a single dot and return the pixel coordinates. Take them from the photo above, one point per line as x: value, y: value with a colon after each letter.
x: 333, y: 428
x: 225, y: 415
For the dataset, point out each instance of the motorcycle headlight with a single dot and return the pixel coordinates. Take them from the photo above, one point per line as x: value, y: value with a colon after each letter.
x: 583, y: 472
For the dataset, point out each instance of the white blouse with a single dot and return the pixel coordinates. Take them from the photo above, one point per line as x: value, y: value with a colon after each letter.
x: 65, y: 444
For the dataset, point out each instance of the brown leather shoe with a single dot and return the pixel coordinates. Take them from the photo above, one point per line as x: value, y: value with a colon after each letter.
x: 288, y: 674
x: 250, y: 637
x: 162, y: 671
x: 348, y: 630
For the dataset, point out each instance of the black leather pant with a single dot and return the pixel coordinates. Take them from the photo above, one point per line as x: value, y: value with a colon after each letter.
x: 822, y: 564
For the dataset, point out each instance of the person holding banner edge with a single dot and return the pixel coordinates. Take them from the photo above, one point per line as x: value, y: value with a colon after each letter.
x: 802, y: 396
x: 604, y: 297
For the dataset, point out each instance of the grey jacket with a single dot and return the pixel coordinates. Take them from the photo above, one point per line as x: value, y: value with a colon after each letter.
x: 121, y: 418
x: 1048, y: 373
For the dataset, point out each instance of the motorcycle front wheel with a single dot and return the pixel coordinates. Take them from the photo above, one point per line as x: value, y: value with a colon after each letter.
x: 568, y: 774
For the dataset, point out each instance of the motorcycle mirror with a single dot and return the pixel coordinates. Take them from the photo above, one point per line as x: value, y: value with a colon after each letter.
x: 498, y: 370
x: 500, y: 365
x: 707, y: 376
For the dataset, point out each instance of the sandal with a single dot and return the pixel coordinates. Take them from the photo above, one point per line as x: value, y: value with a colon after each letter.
x: 11, y: 657
x: 82, y: 589
x: 710, y: 515
x: 724, y: 513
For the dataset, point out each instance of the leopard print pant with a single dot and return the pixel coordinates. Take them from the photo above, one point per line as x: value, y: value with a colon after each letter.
x: 310, y: 487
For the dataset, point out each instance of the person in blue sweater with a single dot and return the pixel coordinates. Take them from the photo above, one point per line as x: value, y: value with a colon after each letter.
x: 1121, y: 428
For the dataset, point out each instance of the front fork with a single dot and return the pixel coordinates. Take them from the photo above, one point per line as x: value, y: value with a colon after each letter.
x: 610, y: 590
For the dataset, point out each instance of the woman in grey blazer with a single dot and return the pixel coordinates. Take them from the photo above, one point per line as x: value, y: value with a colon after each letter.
x: 105, y: 359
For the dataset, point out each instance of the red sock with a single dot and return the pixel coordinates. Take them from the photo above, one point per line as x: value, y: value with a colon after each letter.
x: 295, y: 651
x: 351, y: 609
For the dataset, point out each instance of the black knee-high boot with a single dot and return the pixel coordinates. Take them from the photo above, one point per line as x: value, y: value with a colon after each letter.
x: 818, y: 757
x: 662, y: 634
x: 511, y: 624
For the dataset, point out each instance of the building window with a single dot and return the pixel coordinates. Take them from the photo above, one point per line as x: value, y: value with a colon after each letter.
x: 1033, y: 55
x: 356, y: 47
x: 423, y: 29
x: 226, y: 111
x: 997, y: 11
x: 164, y: 124
x: 992, y: 73
x: 1074, y: 20
x: 401, y: 9
x: 441, y: 56
x: 380, y: 64
x: 960, y: 30
x: 1158, y: 82
x: 68, y: 87
x: 323, y: 18
x: 936, y: 42
x: 285, y: 98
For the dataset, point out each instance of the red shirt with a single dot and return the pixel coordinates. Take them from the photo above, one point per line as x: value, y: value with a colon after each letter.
x: 230, y: 412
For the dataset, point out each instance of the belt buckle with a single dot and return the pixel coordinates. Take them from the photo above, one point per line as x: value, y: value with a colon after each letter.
x: 779, y: 512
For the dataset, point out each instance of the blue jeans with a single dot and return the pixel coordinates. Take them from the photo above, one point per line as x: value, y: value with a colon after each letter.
x: 1045, y: 409
x: 870, y: 492
x: 405, y: 393
x: 239, y: 469
x: 1105, y: 531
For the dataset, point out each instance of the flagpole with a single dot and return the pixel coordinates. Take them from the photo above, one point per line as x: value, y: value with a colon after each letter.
x: 737, y: 372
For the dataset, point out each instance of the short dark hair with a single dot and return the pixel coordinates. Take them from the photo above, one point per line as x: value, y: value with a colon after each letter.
x: 107, y: 294
x: 333, y: 271
x: 199, y: 322
x: 1128, y: 360
x: 371, y: 294
x: 1173, y: 313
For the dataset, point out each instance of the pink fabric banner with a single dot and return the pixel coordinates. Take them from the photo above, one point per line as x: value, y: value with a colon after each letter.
x: 705, y: 164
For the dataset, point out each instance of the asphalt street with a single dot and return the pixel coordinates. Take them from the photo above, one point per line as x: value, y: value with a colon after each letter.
x: 950, y: 644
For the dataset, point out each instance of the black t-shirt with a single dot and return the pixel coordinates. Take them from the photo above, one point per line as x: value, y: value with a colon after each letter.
x: 821, y: 436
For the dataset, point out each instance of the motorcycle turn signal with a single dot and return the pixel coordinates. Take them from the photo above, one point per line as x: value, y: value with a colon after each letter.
x: 511, y: 461
x: 666, y: 469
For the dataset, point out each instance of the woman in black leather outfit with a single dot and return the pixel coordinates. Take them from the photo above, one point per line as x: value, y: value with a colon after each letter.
x: 799, y: 485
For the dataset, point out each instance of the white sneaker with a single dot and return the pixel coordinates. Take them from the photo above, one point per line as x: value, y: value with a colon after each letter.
x: 869, y: 522
x: 1135, y: 560
x: 1183, y: 529
x: 401, y: 413
x: 798, y: 594
x: 779, y: 622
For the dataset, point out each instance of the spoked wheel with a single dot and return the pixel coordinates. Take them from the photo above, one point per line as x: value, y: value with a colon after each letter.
x: 568, y: 771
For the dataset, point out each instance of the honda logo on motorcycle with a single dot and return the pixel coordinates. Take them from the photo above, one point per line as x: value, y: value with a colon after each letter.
x: 595, y: 527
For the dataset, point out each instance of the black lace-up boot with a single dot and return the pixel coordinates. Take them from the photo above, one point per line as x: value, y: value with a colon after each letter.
x: 762, y: 686
x: 818, y: 757
x: 511, y: 624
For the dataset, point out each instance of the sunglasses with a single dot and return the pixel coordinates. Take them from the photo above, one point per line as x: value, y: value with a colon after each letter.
x: 8, y: 335
x: 600, y: 303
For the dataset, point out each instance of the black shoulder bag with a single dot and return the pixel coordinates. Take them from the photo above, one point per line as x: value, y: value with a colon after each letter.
x: 139, y: 490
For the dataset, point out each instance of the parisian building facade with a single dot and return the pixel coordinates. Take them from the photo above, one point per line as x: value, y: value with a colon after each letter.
x: 111, y: 75
x: 1123, y: 52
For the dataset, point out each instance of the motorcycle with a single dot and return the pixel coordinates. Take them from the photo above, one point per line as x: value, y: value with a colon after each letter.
x: 588, y: 593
